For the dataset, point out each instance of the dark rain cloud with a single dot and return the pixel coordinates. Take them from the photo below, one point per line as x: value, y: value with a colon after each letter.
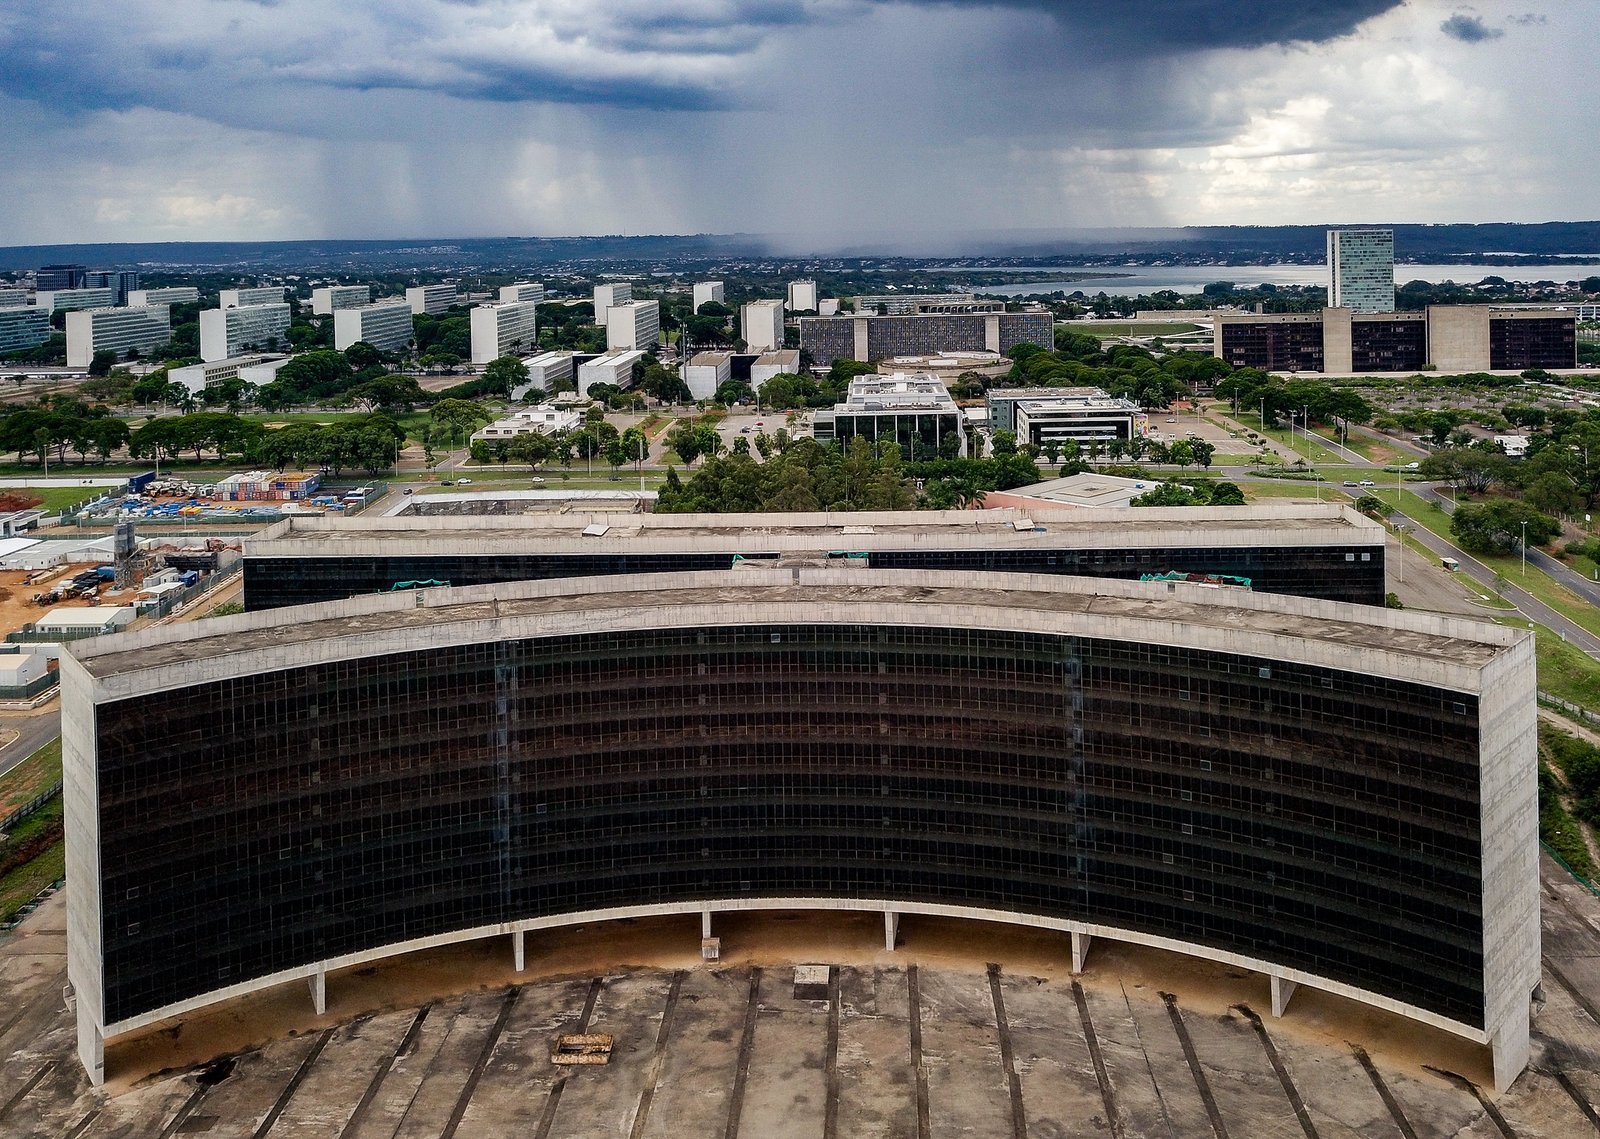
x: 1469, y: 29
x: 1143, y: 28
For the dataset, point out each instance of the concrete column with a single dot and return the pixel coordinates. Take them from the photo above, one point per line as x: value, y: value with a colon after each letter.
x: 891, y: 929
x: 319, y: 990
x: 1510, y: 1048
x: 518, y: 956
x: 92, y: 1051
x: 859, y: 327
x: 1080, y: 950
x: 1282, y: 990
x: 705, y: 921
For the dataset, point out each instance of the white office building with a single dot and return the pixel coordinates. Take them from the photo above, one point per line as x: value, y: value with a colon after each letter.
x: 22, y: 327
x: 636, y: 324
x: 257, y: 370
x: 13, y: 298
x: 228, y: 332
x: 522, y: 291
x: 175, y: 295
x: 785, y: 361
x: 762, y: 322
x: 328, y: 298
x: 612, y: 368
x: 706, y: 372
x: 250, y: 297
x: 917, y: 412
x: 828, y: 306
x: 118, y: 330
x: 73, y: 300
x: 547, y: 372
x: 432, y: 300
x: 606, y: 296
x: 503, y: 329
x: 386, y: 325
x: 1361, y: 270
x: 541, y: 420
x: 707, y: 292
x: 802, y: 296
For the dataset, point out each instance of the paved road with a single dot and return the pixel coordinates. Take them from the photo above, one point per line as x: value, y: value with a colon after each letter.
x: 1528, y: 605
x: 35, y: 729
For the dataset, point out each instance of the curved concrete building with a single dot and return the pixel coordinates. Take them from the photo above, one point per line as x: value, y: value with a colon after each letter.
x: 1335, y: 796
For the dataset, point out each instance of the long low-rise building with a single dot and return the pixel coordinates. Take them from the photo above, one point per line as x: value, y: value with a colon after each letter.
x: 119, y: 330
x: 706, y: 372
x: 1446, y: 338
x: 1085, y: 416
x: 547, y: 372
x: 915, y: 412
x: 1333, y: 797
x: 871, y: 338
x: 611, y: 368
x: 257, y: 370
x: 1310, y: 550
x: 542, y: 420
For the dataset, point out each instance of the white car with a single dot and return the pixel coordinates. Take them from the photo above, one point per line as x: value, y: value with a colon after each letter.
x: 463, y: 482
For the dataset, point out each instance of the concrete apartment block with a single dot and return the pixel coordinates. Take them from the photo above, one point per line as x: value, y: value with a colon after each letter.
x: 226, y: 332
x: 325, y: 299
x: 503, y: 329
x: 607, y: 296
x: 431, y: 300
x: 635, y: 324
x: 762, y: 326
x: 707, y: 292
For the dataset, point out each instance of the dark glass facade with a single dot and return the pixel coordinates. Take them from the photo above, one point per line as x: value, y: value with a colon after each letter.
x: 1533, y: 342
x: 1273, y: 346
x: 1388, y: 345
x: 1333, y: 573
x: 1319, y: 819
x: 828, y: 338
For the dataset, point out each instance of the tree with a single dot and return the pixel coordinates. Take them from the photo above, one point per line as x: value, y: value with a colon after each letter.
x: 102, y: 362
x: 1497, y: 526
x: 505, y: 374
x: 458, y: 416
x: 685, y: 441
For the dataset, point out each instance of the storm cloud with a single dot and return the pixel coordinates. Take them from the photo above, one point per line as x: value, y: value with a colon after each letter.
x: 832, y: 119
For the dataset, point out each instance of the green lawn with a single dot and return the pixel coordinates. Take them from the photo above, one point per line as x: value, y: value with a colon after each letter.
x: 23, y: 884
x: 40, y: 770
x: 1565, y: 671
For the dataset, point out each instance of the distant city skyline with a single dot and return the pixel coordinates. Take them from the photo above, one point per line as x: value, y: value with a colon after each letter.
x: 827, y: 121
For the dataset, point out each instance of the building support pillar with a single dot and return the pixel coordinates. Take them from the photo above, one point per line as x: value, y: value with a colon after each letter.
x: 891, y: 929
x: 1282, y: 990
x: 710, y: 947
x: 319, y: 990
x: 92, y: 1050
x: 1509, y: 1046
x: 518, y: 950
x: 1080, y: 950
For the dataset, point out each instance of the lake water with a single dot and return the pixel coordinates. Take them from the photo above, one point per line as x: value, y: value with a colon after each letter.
x: 1131, y: 280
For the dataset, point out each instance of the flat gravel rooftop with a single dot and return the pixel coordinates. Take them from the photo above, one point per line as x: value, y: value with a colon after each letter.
x: 1047, y: 526
x: 1426, y: 637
